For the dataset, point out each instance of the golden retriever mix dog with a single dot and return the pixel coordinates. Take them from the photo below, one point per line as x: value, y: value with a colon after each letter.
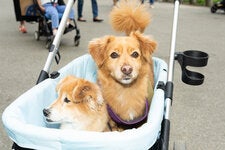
x: 79, y: 106
x: 125, y: 71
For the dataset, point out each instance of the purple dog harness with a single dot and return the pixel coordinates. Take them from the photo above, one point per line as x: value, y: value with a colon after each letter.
x: 129, y: 124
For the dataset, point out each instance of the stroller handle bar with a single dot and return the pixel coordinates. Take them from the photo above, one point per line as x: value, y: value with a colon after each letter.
x: 171, y: 60
x: 55, y: 44
x: 165, y: 127
x: 173, y: 41
x: 188, y: 58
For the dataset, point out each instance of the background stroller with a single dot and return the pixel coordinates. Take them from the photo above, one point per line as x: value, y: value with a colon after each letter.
x: 45, y: 28
x: 219, y: 5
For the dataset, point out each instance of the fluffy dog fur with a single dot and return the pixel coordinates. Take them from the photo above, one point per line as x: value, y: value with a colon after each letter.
x: 125, y: 69
x: 79, y: 106
x: 124, y: 72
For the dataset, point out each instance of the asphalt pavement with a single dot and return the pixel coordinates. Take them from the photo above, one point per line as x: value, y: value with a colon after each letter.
x: 197, y: 112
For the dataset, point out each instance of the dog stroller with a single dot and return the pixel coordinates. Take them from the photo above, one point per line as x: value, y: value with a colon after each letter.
x: 29, y: 10
x: 45, y: 29
x: 219, y: 5
x: 25, y: 124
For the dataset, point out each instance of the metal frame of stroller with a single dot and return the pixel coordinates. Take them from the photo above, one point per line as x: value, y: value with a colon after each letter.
x: 187, y: 58
x: 45, y: 29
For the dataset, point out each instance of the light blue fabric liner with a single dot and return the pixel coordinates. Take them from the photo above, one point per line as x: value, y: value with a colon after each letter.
x: 25, y: 125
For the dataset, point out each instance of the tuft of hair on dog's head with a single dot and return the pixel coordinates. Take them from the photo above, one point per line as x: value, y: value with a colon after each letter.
x: 129, y: 15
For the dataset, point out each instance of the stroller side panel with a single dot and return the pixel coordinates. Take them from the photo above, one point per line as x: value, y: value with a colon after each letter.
x: 25, y: 124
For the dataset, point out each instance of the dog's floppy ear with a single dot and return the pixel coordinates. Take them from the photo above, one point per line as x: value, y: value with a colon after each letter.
x: 147, y: 45
x: 97, y: 49
x: 85, y: 89
x: 81, y: 91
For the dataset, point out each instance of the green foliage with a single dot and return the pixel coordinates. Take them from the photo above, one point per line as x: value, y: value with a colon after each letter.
x: 198, y: 2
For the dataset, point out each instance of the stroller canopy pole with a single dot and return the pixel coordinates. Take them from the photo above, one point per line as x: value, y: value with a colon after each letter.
x: 165, y: 127
x: 55, y: 44
x: 173, y: 41
x: 57, y: 39
x: 172, y: 54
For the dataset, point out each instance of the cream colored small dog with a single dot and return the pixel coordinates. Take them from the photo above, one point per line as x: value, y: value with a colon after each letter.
x: 125, y: 66
x: 79, y: 106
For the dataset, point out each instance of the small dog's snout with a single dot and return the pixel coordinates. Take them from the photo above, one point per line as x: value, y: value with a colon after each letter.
x: 126, y: 69
x: 46, y: 112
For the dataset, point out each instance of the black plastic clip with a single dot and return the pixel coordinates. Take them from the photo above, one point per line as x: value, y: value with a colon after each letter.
x: 57, y: 57
x: 161, y: 85
x: 54, y: 74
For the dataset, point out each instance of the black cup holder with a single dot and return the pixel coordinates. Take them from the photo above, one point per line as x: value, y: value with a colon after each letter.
x: 192, y: 58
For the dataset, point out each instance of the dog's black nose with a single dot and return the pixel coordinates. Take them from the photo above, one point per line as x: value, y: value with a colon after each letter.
x: 46, y: 112
x: 126, y: 69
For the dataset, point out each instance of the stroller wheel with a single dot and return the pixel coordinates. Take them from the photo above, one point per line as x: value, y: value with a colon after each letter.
x: 213, y: 9
x: 36, y: 35
x: 76, y: 40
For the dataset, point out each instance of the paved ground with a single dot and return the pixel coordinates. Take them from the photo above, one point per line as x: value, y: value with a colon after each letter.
x: 197, y: 114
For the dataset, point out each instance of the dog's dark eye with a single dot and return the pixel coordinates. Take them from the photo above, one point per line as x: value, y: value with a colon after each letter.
x: 135, y: 54
x: 66, y: 100
x: 114, y: 55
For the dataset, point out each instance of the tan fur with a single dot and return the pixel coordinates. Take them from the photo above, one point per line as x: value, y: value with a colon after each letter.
x: 125, y: 66
x: 86, y: 109
x: 129, y: 15
x: 126, y: 99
